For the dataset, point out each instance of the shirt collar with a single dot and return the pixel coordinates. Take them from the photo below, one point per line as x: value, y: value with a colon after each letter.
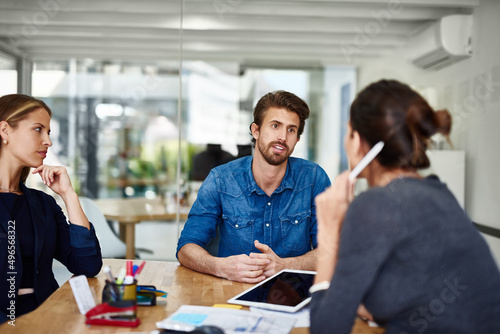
x: 287, y: 183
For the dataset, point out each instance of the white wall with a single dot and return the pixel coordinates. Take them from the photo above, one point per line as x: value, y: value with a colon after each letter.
x: 470, y: 89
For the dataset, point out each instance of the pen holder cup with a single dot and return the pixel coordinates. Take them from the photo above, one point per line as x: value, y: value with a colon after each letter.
x: 113, y: 292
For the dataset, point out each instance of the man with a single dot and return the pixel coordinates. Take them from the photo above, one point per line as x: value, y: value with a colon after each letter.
x: 262, y: 207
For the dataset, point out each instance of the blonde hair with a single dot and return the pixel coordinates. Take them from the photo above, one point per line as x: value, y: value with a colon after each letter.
x: 16, y: 107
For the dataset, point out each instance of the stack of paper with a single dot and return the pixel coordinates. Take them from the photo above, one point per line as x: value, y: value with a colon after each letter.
x: 188, y: 317
x: 301, y: 317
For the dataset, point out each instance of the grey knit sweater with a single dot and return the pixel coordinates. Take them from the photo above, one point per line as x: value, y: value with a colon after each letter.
x: 413, y: 257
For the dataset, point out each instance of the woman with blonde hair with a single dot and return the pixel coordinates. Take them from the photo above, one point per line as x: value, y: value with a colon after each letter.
x: 33, y: 228
x: 405, y: 250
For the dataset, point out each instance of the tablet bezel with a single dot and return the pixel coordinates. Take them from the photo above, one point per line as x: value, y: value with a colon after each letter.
x: 269, y: 306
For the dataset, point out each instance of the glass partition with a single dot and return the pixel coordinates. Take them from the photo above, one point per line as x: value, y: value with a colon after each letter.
x: 8, y: 74
x: 116, y: 124
x: 149, y: 125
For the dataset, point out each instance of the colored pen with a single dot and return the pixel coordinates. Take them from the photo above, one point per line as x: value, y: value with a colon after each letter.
x: 158, y: 293
x: 114, y: 293
x: 121, y: 276
x: 129, y: 279
x: 130, y: 267
x: 107, y: 271
x: 140, y: 268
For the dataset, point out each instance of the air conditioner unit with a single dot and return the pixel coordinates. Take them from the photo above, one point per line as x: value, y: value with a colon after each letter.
x: 443, y: 43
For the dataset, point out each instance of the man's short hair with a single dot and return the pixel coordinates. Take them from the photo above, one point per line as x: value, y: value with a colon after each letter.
x: 283, y: 100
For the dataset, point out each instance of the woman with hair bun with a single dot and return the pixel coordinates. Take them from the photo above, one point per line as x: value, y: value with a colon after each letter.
x: 403, y: 253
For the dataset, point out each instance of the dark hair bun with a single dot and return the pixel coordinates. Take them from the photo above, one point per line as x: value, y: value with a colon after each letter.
x: 393, y: 112
x: 443, y: 122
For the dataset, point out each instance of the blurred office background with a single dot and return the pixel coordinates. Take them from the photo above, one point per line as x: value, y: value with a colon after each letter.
x: 141, y: 88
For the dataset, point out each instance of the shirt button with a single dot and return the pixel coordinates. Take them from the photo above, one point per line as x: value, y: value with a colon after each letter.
x: 267, y: 225
x: 269, y: 203
x: 236, y: 225
x: 296, y: 222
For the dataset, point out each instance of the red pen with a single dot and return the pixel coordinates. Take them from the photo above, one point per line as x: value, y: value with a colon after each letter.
x: 130, y: 268
x: 140, y: 268
x: 129, y: 279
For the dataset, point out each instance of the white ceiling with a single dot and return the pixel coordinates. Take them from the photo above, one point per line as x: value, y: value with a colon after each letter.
x: 252, y: 32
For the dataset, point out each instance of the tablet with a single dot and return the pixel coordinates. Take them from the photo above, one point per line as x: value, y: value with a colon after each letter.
x: 286, y: 291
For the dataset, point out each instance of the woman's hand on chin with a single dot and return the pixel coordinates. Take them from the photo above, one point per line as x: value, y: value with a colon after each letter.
x: 56, y: 178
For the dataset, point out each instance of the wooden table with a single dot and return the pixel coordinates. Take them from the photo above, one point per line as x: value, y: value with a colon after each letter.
x: 59, y: 313
x: 130, y: 211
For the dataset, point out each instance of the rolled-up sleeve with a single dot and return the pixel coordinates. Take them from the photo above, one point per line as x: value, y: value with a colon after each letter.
x: 205, y: 214
x: 83, y: 240
x: 77, y: 247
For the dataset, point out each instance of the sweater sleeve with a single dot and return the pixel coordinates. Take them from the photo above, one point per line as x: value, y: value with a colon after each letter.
x: 367, y: 239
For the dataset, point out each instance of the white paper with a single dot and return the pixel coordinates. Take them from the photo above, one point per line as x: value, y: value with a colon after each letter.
x: 187, y: 317
x: 82, y: 293
x: 301, y: 316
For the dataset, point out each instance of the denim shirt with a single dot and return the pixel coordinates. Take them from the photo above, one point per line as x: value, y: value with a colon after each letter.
x: 231, y: 202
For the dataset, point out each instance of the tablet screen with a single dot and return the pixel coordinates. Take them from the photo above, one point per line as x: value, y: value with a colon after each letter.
x: 287, y: 290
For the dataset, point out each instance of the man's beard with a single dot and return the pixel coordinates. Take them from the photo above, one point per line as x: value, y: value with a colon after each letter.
x: 270, y: 157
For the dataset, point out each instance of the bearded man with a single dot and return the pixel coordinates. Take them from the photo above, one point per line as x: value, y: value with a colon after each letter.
x: 260, y: 208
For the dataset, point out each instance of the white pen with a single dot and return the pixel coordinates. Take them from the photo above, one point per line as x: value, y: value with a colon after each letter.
x: 366, y: 160
x: 107, y: 271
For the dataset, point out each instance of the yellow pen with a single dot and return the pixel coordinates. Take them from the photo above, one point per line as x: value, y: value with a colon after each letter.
x: 121, y: 276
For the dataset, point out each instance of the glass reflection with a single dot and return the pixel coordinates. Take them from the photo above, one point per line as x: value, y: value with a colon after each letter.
x: 8, y: 74
x: 118, y: 123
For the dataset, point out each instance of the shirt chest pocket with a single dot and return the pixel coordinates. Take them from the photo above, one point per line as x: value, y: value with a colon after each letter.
x: 295, y: 231
x: 237, y: 234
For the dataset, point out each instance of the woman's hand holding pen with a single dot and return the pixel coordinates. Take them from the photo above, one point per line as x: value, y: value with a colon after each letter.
x: 331, y: 207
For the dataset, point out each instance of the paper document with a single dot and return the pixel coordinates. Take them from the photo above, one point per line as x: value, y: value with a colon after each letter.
x: 82, y: 293
x: 301, y: 316
x: 187, y: 317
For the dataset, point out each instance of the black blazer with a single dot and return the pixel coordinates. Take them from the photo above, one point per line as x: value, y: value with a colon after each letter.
x: 53, y: 236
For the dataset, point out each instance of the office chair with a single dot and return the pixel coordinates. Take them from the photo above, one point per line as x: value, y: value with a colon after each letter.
x: 111, y: 245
